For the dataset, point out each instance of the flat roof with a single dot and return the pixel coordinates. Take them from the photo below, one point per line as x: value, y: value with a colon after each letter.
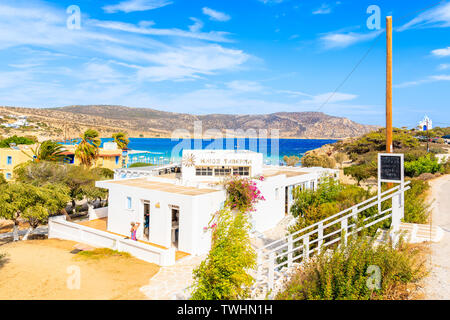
x: 143, y: 183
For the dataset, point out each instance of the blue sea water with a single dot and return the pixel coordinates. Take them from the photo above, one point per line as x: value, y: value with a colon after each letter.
x: 271, y: 148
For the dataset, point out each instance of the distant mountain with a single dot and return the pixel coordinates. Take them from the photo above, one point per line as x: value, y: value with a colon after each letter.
x: 156, y: 123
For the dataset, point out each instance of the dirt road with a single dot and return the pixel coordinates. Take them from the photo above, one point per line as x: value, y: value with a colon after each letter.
x: 438, y: 283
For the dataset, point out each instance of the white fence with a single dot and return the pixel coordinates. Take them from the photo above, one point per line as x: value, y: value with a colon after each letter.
x: 58, y: 227
x: 97, y: 213
x: 300, y: 245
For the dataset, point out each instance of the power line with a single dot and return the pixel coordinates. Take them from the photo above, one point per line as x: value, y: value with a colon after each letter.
x: 370, y: 49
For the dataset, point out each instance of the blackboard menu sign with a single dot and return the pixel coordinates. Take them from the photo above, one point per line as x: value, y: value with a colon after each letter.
x: 390, y: 167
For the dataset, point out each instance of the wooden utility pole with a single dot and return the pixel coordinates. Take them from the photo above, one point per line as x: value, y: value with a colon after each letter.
x: 389, y: 146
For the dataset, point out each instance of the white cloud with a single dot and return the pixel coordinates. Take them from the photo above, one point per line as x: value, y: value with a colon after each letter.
x: 215, y: 15
x: 444, y: 66
x: 429, y: 79
x: 136, y: 5
x: 191, y: 62
x: 323, y: 9
x: 329, y: 97
x: 343, y: 40
x: 441, y: 52
x: 438, y: 17
x: 194, y: 32
x: 245, y: 86
x: 271, y: 1
x: 197, y: 26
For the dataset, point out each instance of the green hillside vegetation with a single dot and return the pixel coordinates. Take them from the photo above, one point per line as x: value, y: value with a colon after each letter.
x: 5, y: 143
x: 363, y: 153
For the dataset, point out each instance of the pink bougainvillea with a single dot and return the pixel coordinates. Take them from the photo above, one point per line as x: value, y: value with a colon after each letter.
x: 243, y: 193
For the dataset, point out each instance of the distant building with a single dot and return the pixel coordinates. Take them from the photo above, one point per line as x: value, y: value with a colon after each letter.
x: 425, y: 124
x: 20, y: 122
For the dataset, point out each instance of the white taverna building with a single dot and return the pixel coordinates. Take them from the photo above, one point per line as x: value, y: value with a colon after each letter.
x: 180, y: 204
x: 174, y: 203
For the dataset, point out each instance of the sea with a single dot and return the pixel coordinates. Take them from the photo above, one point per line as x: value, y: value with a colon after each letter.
x: 273, y: 149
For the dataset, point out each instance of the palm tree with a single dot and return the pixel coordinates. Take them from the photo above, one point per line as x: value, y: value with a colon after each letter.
x: 87, y: 149
x: 48, y: 151
x: 121, y: 139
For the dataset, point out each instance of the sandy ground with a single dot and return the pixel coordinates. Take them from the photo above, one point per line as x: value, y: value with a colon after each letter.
x: 41, y: 269
x: 437, y: 285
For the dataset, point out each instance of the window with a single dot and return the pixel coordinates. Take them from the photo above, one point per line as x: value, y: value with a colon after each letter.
x: 9, y: 160
x: 242, y: 171
x: 129, y: 203
x: 222, y: 171
x: 203, y: 171
x: 117, y: 160
x: 8, y: 176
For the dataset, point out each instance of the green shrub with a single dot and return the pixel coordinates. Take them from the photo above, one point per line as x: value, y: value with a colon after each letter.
x: 446, y: 167
x: 2, y: 179
x: 344, y: 273
x: 425, y: 164
x: 417, y: 210
x: 291, y: 161
x: 5, y: 143
x: 361, y: 172
x: 224, y: 274
x: 313, y: 160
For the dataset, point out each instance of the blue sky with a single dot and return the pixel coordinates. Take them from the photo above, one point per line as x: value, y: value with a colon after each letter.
x: 246, y: 56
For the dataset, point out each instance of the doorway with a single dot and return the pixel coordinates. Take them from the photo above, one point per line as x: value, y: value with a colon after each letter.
x: 175, y: 225
x: 146, y: 220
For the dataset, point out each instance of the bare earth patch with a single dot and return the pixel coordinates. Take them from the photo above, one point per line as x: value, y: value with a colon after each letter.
x: 38, y: 269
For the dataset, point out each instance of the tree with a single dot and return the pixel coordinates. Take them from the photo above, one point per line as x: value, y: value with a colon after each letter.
x: 121, y: 139
x: 47, y: 151
x: 313, y: 160
x: 5, y: 143
x: 224, y: 273
x: 87, y: 149
x: 291, y: 161
x: 31, y: 203
x: 2, y: 179
x: 80, y: 180
x: 360, y: 172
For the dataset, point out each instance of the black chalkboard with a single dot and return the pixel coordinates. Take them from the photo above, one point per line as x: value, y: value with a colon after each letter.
x: 391, y: 168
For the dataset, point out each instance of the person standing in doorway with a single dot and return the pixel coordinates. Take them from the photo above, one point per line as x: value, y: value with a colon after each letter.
x: 134, y: 227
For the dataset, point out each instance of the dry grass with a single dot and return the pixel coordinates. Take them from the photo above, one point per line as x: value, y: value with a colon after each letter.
x: 39, y: 269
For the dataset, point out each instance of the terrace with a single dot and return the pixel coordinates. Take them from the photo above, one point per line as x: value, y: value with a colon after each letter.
x: 102, y: 223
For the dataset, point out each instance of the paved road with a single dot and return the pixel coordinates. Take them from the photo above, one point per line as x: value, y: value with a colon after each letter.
x: 438, y: 283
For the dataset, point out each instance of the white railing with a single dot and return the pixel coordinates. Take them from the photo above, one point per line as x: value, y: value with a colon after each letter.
x: 300, y: 245
x: 59, y: 228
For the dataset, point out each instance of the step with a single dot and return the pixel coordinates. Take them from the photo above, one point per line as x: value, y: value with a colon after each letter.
x: 418, y: 233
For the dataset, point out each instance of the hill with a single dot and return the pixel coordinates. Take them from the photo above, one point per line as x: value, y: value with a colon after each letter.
x: 72, y: 120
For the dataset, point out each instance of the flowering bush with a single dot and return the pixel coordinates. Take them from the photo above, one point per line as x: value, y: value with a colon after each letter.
x: 243, y: 193
x: 224, y: 274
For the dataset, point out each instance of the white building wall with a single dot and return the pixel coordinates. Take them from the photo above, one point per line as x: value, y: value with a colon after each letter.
x: 195, y: 213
